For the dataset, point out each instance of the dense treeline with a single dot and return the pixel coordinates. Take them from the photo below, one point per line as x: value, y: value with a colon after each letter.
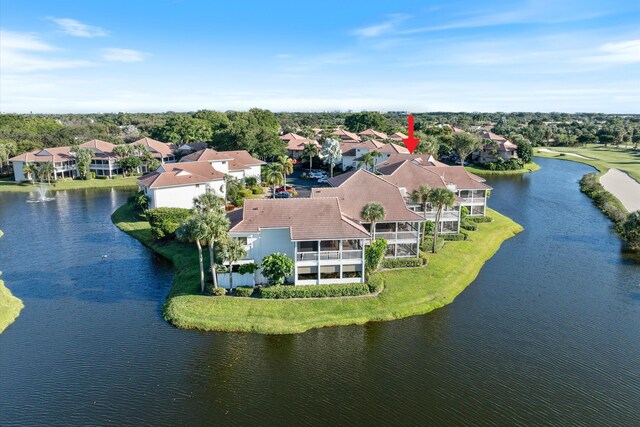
x: 256, y: 130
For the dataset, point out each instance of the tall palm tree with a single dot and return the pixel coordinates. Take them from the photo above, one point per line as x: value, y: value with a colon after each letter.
x: 421, y: 196
x: 273, y: 176
x: 207, y: 202
x: 47, y: 169
x: 30, y: 170
x: 216, y: 226
x: 439, y: 198
x: 233, y: 250
x: 331, y: 154
x: 310, y: 150
x: 192, y: 230
x: 366, y: 160
x: 373, y: 212
x: 375, y: 155
x: 287, y: 167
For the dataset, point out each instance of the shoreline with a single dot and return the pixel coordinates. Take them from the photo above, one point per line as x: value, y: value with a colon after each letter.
x: 407, y: 292
x: 528, y: 168
x: 10, y: 307
x: 70, y: 184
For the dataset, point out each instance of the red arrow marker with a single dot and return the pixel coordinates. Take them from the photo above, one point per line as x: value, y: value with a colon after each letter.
x: 411, y: 143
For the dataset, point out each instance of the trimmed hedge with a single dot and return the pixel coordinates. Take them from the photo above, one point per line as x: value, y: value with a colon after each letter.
x: 256, y: 189
x: 425, y: 257
x: 479, y: 219
x: 469, y: 225
x: 313, y: 291
x: 375, y: 283
x: 401, y: 262
x: 456, y: 237
x: 165, y: 221
x: 244, y: 291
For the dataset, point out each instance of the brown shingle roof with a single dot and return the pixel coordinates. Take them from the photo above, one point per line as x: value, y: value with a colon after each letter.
x: 289, y: 136
x: 177, y: 174
x: 346, y: 135
x: 206, y: 155
x: 298, y: 144
x: 362, y: 187
x: 54, y: 154
x: 411, y: 176
x: 421, y: 159
x: 459, y: 176
x: 99, y: 146
x: 156, y: 147
x: 398, y: 135
x: 306, y: 219
x: 374, y: 133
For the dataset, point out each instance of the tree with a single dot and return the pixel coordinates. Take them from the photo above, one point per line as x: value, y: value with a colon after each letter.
x: 216, y: 226
x: 218, y: 121
x: 130, y: 164
x: 357, y: 122
x: 525, y: 151
x: 428, y: 144
x: 331, y: 153
x: 631, y: 230
x: 421, y: 196
x: 46, y: 170
x: 233, y: 250
x: 373, y: 255
x: 193, y: 230
x: 373, y: 212
x: 464, y: 144
x: 184, y: 129
x: 439, y: 198
x: 310, y: 150
x: 208, y: 202
x: 287, y: 167
x: 277, y: 267
x: 124, y: 150
x: 31, y: 171
x: 366, y: 160
x: 83, y: 160
x: 153, y: 165
x: 272, y: 175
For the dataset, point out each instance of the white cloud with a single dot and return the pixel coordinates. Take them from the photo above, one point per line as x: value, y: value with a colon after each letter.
x: 382, y: 28
x: 283, y: 56
x: 115, y: 54
x: 78, y: 29
x: 624, y: 52
x: 25, y: 52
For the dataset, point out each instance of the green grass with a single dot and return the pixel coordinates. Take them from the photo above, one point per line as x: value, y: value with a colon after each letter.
x: 407, y: 292
x: 529, y: 167
x: 600, y: 157
x: 6, y: 184
x: 10, y: 307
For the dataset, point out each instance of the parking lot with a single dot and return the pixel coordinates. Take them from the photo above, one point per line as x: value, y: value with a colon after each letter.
x: 302, y: 185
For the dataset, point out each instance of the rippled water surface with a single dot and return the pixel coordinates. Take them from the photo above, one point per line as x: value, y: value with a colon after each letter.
x: 548, y: 333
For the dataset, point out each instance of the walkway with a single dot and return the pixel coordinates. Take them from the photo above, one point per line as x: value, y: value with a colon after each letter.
x: 625, y: 188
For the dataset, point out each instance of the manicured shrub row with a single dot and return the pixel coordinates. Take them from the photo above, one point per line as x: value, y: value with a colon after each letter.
x: 401, y: 262
x: 469, y: 225
x: 479, y: 219
x: 244, y: 291
x: 165, y: 221
x: 424, y: 256
x: 456, y: 237
x: 313, y: 291
x: 428, y: 244
x: 503, y: 165
x: 604, y: 200
x: 375, y: 283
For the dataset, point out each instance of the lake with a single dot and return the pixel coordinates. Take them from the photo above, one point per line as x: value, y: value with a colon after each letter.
x: 549, y: 332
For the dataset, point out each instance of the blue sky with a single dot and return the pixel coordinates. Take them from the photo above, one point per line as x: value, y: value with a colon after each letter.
x: 180, y: 55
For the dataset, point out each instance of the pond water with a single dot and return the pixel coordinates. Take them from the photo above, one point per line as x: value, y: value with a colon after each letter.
x: 549, y: 333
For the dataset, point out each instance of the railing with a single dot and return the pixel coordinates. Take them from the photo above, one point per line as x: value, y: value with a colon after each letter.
x: 473, y: 200
x: 385, y: 235
x: 328, y: 255
x: 351, y: 254
x: 407, y: 235
x: 445, y: 216
x: 307, y: 256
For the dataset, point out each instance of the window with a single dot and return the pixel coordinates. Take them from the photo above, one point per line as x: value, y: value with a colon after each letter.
x: 330, y: 272
x: 351, y: 245
x: 391, y: 250
x: 477, y: 210
x: 197, y: 185
x: 308, y: 273
x: 330, y: 245
x: 449, y: 226
x: 242, y: 240
x: 308, y: 246
x: 407, y: 249
x: 350, y: 271
x: 383, y: 227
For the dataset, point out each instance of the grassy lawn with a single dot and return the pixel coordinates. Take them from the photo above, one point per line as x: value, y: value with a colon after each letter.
x: 601, y: 158
x: 10, y: 307
x: 71, y: 184
x: 408, y: 292
x: 529, y: 167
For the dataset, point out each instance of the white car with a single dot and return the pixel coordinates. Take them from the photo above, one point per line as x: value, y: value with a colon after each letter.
x: 323, y: 180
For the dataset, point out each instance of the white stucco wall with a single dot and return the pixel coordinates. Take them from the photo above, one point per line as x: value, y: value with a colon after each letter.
x: 220, y: 166
x: 17, y: 171
x: 182, y: 196
x: 254, y: 171
x: 267, y: 242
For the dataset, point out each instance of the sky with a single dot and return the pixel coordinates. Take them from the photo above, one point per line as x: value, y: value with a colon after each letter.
x: 417, y: 56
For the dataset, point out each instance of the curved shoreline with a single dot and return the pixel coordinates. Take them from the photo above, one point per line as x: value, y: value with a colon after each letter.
x: 407, y: 292
x: 10, y: 307
x: 528, y: 168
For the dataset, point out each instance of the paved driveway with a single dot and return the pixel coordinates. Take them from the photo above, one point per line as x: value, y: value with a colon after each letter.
x: 303, y: 186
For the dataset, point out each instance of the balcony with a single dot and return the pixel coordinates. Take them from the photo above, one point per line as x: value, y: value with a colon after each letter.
x: 329, y: 255
x: 445, y: 216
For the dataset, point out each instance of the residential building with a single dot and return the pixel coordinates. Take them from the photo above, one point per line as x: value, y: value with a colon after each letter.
x: 401, y: 225
x: 326, y: 245
x: 164, y: 152
x: 103, y: 161
x: 497, y: 147
x: 177, y: 184
x: 372, y: 133
x: 191, y: 147
x: 398, y: 136
x: 471, y: 189
x: 64, y: 162
x: 238, y: 164
x: 353, y: 152
x: 346, y: 136
x: 296, y: 144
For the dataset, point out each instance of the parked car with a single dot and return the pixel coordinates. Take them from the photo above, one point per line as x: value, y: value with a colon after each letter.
x: 283, y: 188
x: 323, y: 180
x: 283, y: 195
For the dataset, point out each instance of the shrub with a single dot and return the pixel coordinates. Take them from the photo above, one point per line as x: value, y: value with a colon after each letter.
x: 244, y: 291
x: 229, y: 208
x: 604, y: 200
x: 373, y: 255
x: 375, y: 283
x: 216, y: 292
x: 256, y: 189
x: 90, y: 175
x: 276, y: 267
x: 631, y: 230
x: 250, y: 181
x: 102, y: 177
x: 469, y: 225
x: 424, y: 256
x: 401, y: 262
x: 245, y: 193
x: 455, y: 237
x: 248, y: 268
x: 479, y: 219
x: 428, y: 243
x: 139, y: 201
x: 313, y: 291
x: 165, y: 221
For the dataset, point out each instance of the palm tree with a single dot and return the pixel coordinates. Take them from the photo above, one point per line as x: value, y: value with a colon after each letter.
x: 207, y: 202
x: 193, y: 230
x: 273, y: 176
x: 366, y: 160
x: 31, y: 171
x: 287, y: 167
x: 421, y: 196
x: 233, y: 250
x: 331, y: 153
x: 439, y: 198
x: 46, y: 170
x: 373, y: 212
x: 216, y: 226
x: 375, y: 155
x: 310, y: 150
